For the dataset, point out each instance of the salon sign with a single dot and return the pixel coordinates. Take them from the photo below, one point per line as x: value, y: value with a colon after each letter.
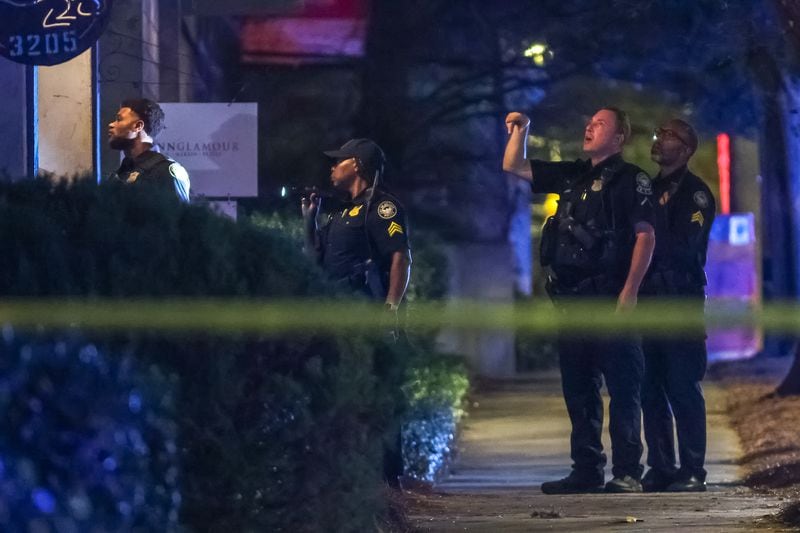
x: 217, y: 143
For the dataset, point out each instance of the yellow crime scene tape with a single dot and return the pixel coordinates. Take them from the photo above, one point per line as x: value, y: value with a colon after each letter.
x: 229, y: 316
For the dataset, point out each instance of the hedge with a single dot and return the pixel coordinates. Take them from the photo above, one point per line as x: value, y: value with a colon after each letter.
x: 268, y: 433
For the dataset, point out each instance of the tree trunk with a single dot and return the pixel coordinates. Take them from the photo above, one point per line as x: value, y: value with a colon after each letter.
x: 779, y: 220
x: 778, y: 86
x: 787, y: 101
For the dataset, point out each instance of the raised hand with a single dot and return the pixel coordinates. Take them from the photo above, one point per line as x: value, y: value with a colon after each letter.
x: 516, y: 119
x: 309, y: 206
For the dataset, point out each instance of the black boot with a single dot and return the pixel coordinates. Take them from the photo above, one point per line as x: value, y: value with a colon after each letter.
x: 687, y: 484
x: 656, y: 480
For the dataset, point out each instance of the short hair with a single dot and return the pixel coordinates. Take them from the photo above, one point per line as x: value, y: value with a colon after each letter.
x: 623, y: 122
x: 149, y: 112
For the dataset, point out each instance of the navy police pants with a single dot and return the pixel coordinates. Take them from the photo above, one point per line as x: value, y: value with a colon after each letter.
x: 671, y: 390
x: 585, y: 361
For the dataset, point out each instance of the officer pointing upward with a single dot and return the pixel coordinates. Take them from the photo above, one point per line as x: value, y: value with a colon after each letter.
x: 599, y: 244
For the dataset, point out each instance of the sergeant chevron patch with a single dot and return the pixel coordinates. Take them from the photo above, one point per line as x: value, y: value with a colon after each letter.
x: 394, y: 228
x: 698, y: 217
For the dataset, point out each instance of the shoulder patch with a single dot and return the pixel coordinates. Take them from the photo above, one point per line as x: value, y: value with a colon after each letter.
x: 700, y: 199
x: 178, y: 172
x: 387, y: 209
x: 643, y: 184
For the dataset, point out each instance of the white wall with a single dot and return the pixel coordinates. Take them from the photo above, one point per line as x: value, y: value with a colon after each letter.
x: 65, y: 117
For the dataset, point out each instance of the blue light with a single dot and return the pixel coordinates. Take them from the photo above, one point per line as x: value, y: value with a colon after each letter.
x: 110, y: 464
x: 739, y: 230
x: 8, y: 333
x: 125, y: 508
x: 43, y: 500
x: 88, y: 353
x: 134, y: 402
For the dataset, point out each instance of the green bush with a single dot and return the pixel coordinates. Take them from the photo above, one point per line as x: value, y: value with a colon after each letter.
x: 86, y: 440
x: 435, y: 389
x: 112, y: 241
x: 274, y: 433
x: 289, y: 225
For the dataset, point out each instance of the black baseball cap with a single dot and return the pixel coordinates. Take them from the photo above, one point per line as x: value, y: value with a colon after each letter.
x: 366, y: 151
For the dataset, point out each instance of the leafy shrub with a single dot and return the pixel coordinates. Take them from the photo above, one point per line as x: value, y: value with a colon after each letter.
x: 274, y: 433
x: 112, y: 241
x: 291, y: 226
x: 436, y: 388
x: 86, y: 440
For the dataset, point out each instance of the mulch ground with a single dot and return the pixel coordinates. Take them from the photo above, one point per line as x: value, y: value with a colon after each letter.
x: 768, y: 426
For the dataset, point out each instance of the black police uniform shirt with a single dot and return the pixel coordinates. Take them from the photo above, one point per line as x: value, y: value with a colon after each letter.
x: 623, y: 190
x: 344, y: 238
x: 151, y: 167
x: 685, y: 210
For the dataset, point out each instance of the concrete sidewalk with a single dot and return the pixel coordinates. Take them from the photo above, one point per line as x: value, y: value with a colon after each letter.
x: 517, y: 436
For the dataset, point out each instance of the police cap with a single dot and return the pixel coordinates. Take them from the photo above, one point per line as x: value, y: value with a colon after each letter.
x: 366, y: 151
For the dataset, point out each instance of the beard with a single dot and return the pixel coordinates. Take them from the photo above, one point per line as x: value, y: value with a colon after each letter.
x: 120, y: 143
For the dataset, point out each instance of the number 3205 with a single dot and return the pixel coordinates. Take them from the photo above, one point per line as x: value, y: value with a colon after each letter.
x: 47, y: 44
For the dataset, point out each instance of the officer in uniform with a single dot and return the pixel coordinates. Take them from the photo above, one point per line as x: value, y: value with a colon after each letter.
x: 133, y: 130
x: 598, y: 244
x: 364, y: 245
x: 674, y: 367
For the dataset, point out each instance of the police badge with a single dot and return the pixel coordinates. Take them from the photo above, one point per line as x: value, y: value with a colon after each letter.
x: 701, y: 199
x: 387, y: 210
x: 643, y: 184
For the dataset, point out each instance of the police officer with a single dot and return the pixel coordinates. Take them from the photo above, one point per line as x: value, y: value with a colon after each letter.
x: 133, y: 131
x: 598, y: 244
x: 674, y: 367
x: 364, y: 245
